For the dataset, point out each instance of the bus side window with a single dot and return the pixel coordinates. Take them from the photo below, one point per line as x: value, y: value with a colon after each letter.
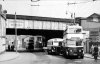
x: 78, y: 43
x: 60, y: 43
x: 39, y: 39
x: 52, y: 43
x: 78, y: 30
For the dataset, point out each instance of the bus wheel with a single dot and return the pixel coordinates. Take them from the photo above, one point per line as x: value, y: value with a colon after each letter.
x: 48, y: 52
x: 64, y: 55
x: 82, y: 57
x: 57, y: 53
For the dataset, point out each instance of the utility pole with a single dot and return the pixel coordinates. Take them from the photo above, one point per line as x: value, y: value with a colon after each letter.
x: 73, y: 13
x: 93, y: 0
x: 15, y: 33
x: 34, y: 0
x: 74, y: 17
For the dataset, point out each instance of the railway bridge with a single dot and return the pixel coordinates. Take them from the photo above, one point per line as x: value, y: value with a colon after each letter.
x: 34, y: 25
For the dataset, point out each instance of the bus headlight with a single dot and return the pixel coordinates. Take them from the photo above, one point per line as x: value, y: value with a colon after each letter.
x: 70, y: 50
x: 53, y: 48
x: 66, y: 52
x: 80, y: 50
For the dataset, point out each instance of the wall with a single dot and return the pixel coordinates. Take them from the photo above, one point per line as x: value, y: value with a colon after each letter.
x: 2, y: 34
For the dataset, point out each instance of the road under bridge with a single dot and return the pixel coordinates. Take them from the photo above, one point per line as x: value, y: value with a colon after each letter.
x: 48, y: 34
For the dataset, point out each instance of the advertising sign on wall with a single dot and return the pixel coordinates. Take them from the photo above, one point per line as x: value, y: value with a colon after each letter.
x: 94, y: 35
x: 11, y: 23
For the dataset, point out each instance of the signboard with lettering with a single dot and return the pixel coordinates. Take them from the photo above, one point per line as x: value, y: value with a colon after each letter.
x: 11, y: 23
x: 95, y: 38
x: 94, y: 33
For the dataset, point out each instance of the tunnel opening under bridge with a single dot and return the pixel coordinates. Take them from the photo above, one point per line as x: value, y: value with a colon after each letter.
x: 48, y: 34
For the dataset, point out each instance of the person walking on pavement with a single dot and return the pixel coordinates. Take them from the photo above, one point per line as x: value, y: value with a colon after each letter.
x: 95, y: 53
x: 9, y: 47
x: 92, y: 49
x: 12, y: 46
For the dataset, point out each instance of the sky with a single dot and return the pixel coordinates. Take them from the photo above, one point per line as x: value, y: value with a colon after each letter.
x: 48, y: 0
x: 52, y: 8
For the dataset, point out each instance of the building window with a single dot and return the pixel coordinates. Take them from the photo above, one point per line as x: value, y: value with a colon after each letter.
x: 99, y: 19
x: 95, y: 19
x: 90, y: 19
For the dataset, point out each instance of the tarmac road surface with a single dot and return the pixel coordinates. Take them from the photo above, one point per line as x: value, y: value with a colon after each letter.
x: 43, y: 58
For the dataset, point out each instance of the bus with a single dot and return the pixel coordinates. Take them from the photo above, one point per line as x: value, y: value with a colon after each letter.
x: 73, y: 41
x: 54, y: 45
x: 34, y: 43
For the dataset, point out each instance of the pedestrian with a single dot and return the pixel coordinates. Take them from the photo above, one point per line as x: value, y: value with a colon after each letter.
x: 12, y: 46
x: 91, y: 50
x: 8, y: 47
x: 96, y: 49
x: 95, y: 54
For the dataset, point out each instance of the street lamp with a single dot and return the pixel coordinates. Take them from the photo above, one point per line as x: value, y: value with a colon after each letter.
x: 15, y: 33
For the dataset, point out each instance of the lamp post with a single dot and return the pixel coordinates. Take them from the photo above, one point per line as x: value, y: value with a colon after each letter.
x: 15, y: 33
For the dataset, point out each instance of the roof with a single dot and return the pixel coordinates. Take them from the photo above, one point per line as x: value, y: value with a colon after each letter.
x: 55, y: 39
x: 24, y: 17
x: 94, y: 15
x: 74, y: 26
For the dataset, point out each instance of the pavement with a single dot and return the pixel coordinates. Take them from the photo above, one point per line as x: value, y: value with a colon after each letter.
x: 90, y: 56
x: 8, y: 56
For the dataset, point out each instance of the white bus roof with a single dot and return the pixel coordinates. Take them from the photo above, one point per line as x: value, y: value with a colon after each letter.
x: 55, y: 39
x: 74, y: 26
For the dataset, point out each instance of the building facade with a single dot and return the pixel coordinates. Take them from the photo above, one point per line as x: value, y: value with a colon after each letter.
x: 92, y: 24
x: 2, y: 30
